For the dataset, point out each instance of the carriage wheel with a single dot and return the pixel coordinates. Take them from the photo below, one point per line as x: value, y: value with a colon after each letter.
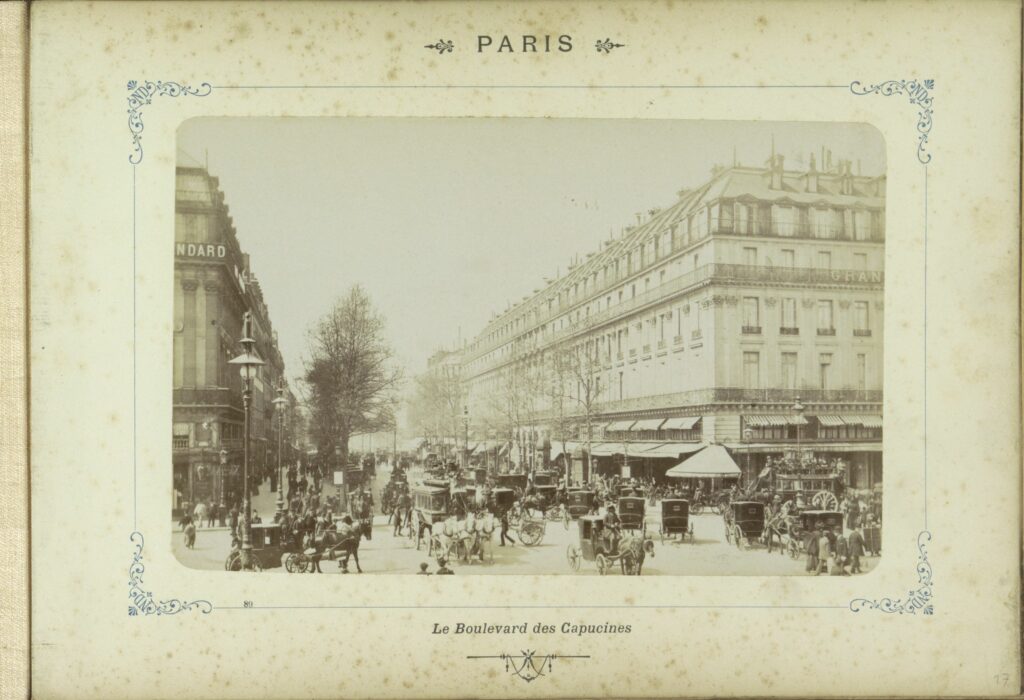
x: 825, y: 500
x: 691, y: 533
x: 728, y: 533
x: 296, y: 563
x: 572, y: 554
x: 565, y: 518
x: 233, y: 562
x: 737, y: 536
x: 602, y: 564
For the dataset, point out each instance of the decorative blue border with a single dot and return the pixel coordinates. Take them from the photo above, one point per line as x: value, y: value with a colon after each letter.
x: 918, y: 94
x: 142, y: 94
x: 919, y: 598
x: 917, y: 91
x: 142, y: 602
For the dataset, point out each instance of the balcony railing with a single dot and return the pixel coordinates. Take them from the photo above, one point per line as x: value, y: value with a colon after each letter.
x: 218, y: 396
x: 632, y: 352
x: 740, y: 395
x: 751, y: 330
x: 712, y: 273
x: 647, y: 349
x: 661, y: 344
x: 826, y: 331
x: 677, y: 340
x: 862, y: 332
x: 789, y: 330
x: 696, y: 334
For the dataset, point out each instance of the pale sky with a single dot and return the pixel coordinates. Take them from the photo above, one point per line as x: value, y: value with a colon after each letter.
x: 445, y: 220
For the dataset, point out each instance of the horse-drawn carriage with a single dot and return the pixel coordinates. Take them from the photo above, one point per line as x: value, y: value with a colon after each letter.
x: 743, y: 520
x: 580, y: 503
x: 675, y: 519
x: 544, y: 498
x: 516, y: 482
x: 594, y: 545
x: 269, y: 545
x: 802, y: 524
x: 824, y: 486
x: 631, y: 513
x: 337, y: 543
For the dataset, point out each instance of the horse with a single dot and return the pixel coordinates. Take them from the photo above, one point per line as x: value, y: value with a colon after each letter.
x: 485, y: 527
x: 338, y: 544
x: 445, y: 539
x: 632, y: 550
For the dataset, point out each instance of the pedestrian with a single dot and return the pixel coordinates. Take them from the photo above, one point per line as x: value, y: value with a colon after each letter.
x: 211, y: 513
x: 190, y: 535
x: 841, y: 552
x: 423, y: 570
x: 504, y: 530
x: 812, y: 549
x: 442, y: 567
x: 824, y: 552
x: 856, y: 549
x: 256, y: 519
x: 200, y: 513
x: 233, y: 520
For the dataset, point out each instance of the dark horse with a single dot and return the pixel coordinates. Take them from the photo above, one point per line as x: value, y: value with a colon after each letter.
x: 634, y: 549
x: 338, y: 545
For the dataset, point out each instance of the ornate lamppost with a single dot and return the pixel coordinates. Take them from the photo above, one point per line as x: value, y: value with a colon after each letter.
x: 798, y: 408
x: 281, y: 406
x: 248, y: 364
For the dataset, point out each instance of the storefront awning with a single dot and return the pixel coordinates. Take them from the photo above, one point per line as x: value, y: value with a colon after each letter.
x: 648, y: 424
x: 671, y: 450
x: 620, y: 425
x: 686, y: 423
x: 764, y: 421
x: 830, y: 421
x: 571, y: 448
x: 866, y: 421
x: 713, y: 462
x: 796, y: 420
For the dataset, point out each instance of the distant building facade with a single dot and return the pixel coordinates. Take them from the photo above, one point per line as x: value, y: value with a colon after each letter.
x: 749, y: 313
x: 213, y: 287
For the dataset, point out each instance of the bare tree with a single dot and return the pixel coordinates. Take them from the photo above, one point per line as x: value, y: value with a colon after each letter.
x: 437, y: 403
x: 577, y: 364
x: 513, y: 407
x: 350, y: 373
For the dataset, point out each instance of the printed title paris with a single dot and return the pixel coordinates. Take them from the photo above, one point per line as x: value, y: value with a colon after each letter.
x: 525, y: 43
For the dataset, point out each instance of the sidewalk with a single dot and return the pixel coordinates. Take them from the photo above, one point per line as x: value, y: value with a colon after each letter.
x: 264, y: 503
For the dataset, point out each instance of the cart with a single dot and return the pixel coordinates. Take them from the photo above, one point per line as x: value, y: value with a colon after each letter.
x: 744, y: 520
x: 269, y: 546
x: 675, y: 519
x: 592, y: 546
x: 631, y: 513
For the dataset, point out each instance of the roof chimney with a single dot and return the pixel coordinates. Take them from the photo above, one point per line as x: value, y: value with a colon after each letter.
x: 776, y: 170
x: 812, y: 176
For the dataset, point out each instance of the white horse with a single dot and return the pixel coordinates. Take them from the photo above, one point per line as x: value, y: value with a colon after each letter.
x: 485, y: 527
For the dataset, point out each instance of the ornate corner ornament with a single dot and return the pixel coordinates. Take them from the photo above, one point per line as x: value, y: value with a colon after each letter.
x: 441, y: 46
x: 917, y: 91
x: 917, y: 599
x: 606, y: 45
x: 527, y: 665
x: 142, y: 94
x: 142, y: 602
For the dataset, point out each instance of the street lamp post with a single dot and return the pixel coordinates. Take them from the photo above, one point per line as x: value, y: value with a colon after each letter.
x: 465, y: 445
x: 798, y: 408
x: 248, y: 363
x: 281, y: 404
x: 748, y: 435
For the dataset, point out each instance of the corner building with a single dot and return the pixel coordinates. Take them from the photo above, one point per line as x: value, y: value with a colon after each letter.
x: 213, y: 287
x: 716, y: 319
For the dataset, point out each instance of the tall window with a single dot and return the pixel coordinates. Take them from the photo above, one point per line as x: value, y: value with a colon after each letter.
x: 752, y: 370
x: 788, y: 258
x: 621, y: 387
x: 751, y: 315
x: 862, y: 371
x: 825, y: 315
x: 861, y: 225
x: 824, y: 259
x: 750, y: 256
x: 824, y: 369
x: 661, y: 277
x: 789, y: 370
x: 860, y: 315
x: 789, y: 313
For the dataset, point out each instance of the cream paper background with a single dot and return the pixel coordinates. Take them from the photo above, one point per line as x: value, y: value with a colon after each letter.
x: 377, y: 641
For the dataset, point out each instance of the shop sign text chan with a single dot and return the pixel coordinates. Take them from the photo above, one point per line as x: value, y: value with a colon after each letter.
x: 199, y: 250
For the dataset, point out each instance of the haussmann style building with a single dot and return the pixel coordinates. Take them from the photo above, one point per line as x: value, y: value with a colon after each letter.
x: 748, y: 314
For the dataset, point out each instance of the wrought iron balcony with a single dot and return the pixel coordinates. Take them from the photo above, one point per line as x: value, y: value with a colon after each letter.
x: 789, y: 330
x: 751, y: 330
x: 826, y: 331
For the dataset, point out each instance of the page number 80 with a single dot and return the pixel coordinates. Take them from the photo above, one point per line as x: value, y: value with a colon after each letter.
x: 246, y: 603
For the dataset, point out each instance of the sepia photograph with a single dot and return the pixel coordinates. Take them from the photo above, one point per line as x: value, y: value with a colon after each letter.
x: 528, y: 346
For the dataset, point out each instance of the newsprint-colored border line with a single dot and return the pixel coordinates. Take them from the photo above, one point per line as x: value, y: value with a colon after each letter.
x: 141, y: 94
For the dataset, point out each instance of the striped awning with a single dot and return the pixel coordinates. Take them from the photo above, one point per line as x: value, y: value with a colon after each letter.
x: 648, y: 424
x: 671, y: 450
x: 686, y: 423
x: 620, y: 425
x: 765, y: 421
x: 830, y: 421
x: 866, y: 421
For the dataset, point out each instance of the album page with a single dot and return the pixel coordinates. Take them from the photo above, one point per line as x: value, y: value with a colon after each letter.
x: 684, y: 335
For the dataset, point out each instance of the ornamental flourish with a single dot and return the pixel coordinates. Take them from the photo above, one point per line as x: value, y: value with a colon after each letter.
x: 527, y: 665
x: 142, y: 94
x: 141, y: 601
x: 919, y: 598
x: 917, y: 91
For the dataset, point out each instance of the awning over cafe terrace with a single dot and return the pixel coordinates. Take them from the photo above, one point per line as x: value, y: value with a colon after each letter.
x: 647, y: 424
x: 619, y: 425
x: 686, y: 423
x: 713, y: 462
x: 765, y: 421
